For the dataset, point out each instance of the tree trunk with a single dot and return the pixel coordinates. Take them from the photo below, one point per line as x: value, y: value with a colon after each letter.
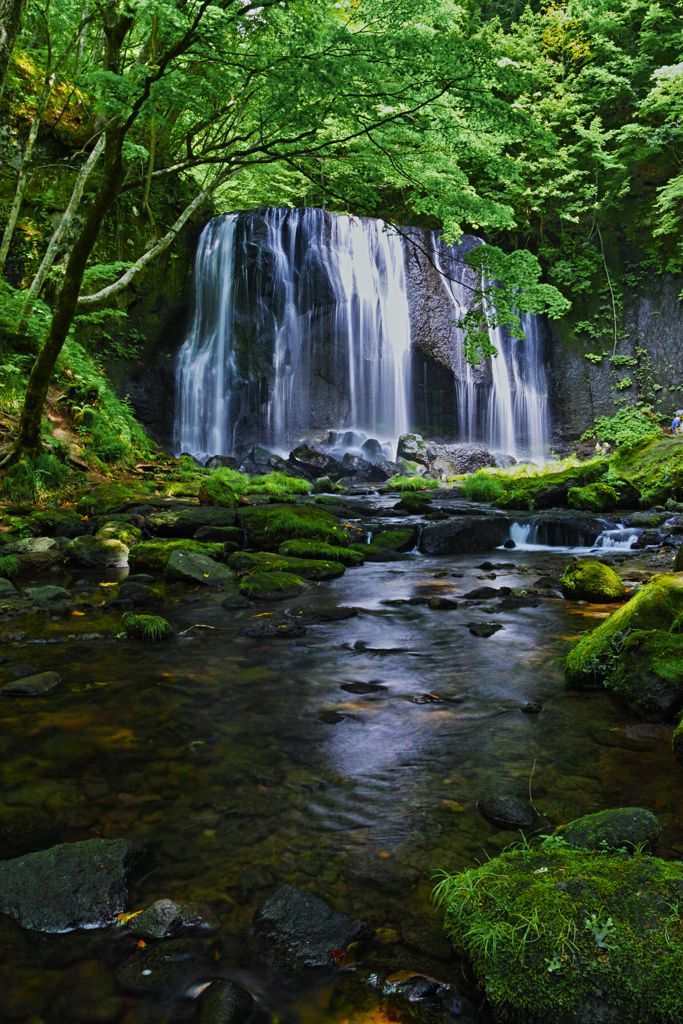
x: 10, y: 14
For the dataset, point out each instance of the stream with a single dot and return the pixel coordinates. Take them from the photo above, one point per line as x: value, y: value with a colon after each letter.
x: 348, y: 762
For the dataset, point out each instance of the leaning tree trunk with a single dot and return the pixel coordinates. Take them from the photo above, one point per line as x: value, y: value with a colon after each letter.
x: 29, y: 440
x: 10, y: 13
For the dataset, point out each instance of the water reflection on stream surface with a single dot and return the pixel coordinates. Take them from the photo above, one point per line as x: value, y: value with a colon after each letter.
x: 219, y: 754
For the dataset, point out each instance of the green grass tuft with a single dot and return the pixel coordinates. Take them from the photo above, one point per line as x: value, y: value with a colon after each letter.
x: 482, y: 487
x: 412, y: 483
x: 277, y: 483
x: 148, y: 627
x: 9, y: 566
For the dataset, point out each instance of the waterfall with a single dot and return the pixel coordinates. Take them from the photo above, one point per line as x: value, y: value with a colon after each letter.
x: 504, y: 402
x: 311, y: 305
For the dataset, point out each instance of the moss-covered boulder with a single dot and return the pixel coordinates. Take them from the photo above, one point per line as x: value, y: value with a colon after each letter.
x: 215, y: 491
x: 153, y: 555
x: 648, y: 674
x: 267, y: 527
x: 148, y: 627
x: 271, y: 586
x: 657, y: 605
x: 655, y: 468
x: 30, y: 553
x: 60, y: 522
x: 592, y: 498
x: 590, y: 580
x: 194, y: 567
x: 104, y: 498
x: 396, y: 540
x: 625, y: 829
x: 185, y: 522
x: 89, y: 552
x: 377, y: 553
x: 319, y: 550
x: 413, y: 504
x: 125, y: 532
x: 561, y: 936
x: 266, y: 561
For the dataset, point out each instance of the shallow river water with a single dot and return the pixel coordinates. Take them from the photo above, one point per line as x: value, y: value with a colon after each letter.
x: 241, y: 764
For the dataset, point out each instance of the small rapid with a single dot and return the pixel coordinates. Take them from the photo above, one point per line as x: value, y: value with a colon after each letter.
x: 566, y: 538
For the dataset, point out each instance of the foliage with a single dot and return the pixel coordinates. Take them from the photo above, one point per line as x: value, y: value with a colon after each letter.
x: 412, y: 483
x: 9, y: 566
x: 277, y: 484
x: 628, y: 428
x: 543, y: 926
x: 482, y: 487
x: 147, y: 627
x: 30, y: 478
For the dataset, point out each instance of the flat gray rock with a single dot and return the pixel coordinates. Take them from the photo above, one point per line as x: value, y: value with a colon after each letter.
x: 73, y: 885
x: 296, y: 930
x: 31, y: 686
x: 196, y: 568
x: 46, y: 593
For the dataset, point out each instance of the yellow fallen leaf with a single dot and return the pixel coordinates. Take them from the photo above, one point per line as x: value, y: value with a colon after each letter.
x: 78, y: 613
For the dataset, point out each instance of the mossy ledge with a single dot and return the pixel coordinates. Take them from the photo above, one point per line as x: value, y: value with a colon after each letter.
x: 557, y: 935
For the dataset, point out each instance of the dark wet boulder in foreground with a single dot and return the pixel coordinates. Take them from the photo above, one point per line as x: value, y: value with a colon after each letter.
x: 621, y: 829
x: 166, y: 917
x: 464, y: 535
x: 605, y: 946
x: 508, y: 811
x: 226, y: 1003
x: 590, y: 580
x: 31, y: 685
x: 192, y: 567
x: 273, y: 626
x: 296, y: 930
x: 73, y: 885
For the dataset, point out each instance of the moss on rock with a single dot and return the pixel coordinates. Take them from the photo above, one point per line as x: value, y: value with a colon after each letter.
x: 657, y: 605
x: 271, y: 586
x: 266, y: 561
x: 592, y: 498
x: 557, y: 935
x: 97, y: 552
x: 654, y: 468
x: 590, y: 580
x: 619, y: 829
x: 396, y: 540
x: 648, y: 674
x: 148, y: 627
x: 152, y: 555
x: 104, y: 498
x: 127, y: 534
x: 216, y: 491
x: 319, y: 550
x: 267, y: 528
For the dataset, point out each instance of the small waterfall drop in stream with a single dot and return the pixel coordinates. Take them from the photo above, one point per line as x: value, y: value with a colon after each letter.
x: 309, y: 305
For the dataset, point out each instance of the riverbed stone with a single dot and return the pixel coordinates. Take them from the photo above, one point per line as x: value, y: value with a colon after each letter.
x: 266, y: 561
x: 414, y: 448
x: 484, y: 629
x: 319, y: 550
x: 315, y: 463
x: 122, y: 531
x: 31, y: 685
x: 590, y: 580
x: 464, y: 535
x: 487, y: 593
x: 616, y: 911
x: 35, y: 553
x: 166, y: 917
x: 657, y: 605
x: 185, y: 522
x: 226, y: 1002
x: 508, y: 811
x: 46, y: 593
x: 317, y: 614
x: 89, y: 552
x: 278, y: 626
x: 159, y: 967
x: 362, y: 471
x: 7, y: 587
x: 192, y: 566
x: 621, y: 828
x: 73, y: 885
x: 103, y: 498
x: 414, y: 504
x: 268, y: 527
x: 271, y: 586
x: 296, y: 930
x: 153, y: 555
x: 396, y: 540
x: 647, y: 674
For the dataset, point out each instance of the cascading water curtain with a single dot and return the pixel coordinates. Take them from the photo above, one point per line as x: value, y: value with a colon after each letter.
x: 329, y: 292
x: 504, y: 403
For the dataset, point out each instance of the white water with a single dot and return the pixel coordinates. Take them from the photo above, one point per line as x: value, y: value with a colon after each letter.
x: 525, y: 534
x: 311, y: 269
x: 513, y: 417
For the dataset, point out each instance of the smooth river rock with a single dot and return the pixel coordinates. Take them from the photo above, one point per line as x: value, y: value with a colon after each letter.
x: 73, y: 885
x: 507, y: 811
x: 295, y: 930
x: 192, y: 567
x: 31, y: 685
x: 464, y: 535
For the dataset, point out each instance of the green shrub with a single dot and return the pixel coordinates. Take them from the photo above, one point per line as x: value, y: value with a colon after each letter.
x: 412, y: 483
x: 107, y: 446
x: 148, y: 627
x: 19, y: 483
x: 482, y: 487
x: 9, y: 566
x: 629, y: 428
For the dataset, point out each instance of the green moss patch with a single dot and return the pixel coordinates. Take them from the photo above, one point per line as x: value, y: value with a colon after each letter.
x: 267, y: 528
x: 148, y: 627
x: 396, y: 540
x: 657, y: 605
x: 592, y: 498
x: 590, y: 580
x: 271, y: 586
x: 617, y: 830
x: 104, y: 498
x: 152, y: 555
x: 320, y: 550
x: 413, y: 483
x: 308, y: 569
x: 127, y: 534
x: 277, y: 484
x: 648, y: 674
x: 559, y: 935
x: 655, y: 469
x: 215, y: 491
